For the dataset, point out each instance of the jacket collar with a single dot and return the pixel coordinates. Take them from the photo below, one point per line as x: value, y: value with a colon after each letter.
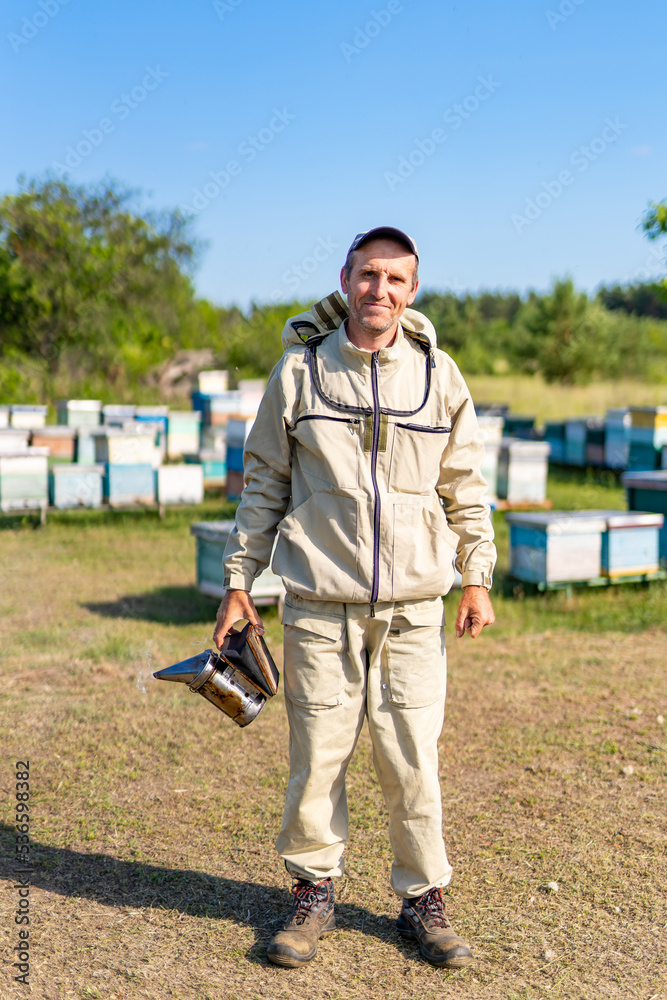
x: 355, y: 357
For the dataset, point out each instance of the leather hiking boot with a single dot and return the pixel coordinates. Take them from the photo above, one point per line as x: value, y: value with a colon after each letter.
x: 312, y: 917
x: 424, y: 918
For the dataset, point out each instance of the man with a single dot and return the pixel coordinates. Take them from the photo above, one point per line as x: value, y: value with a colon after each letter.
x: 365, y: 459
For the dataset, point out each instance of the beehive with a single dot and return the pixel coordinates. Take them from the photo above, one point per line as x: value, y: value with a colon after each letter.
x: 79, y: 412
x: 214, y: 467
x: 234, y: 484
x: 4, y: 417
x: 28, y: 417
x: 180, y: 484
x: 13, y: 439
x: 647, y: 491
x: 617, y: 438
x: 630, y: 541
x: 211, y: 540
x: 522, y: 470
x: 114, y: 414
x: 60, y: 441
x: 554, y: 435
x: 24, y: 479
x: 183, y: 431
x: 129, y: 485
x: 648, y: 435
x: 117, y: 446
x: 211, y: 383
x: 76, y: 485
x: 580, y: 433
x: 519, y: 426
x: 555, y: 547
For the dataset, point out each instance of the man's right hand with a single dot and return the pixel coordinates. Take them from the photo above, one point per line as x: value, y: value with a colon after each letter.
x: 235, y: 604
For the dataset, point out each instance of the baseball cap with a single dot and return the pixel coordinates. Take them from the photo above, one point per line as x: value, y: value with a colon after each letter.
x: 384, y: 231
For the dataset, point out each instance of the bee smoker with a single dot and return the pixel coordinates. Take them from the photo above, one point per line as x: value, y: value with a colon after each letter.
x: 237, y: 680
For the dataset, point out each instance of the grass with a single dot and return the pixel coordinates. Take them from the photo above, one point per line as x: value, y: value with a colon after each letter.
x: 154, y: 817
x: 530, y: 394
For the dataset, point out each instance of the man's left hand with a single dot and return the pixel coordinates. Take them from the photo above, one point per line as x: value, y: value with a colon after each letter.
x: 475, y: 611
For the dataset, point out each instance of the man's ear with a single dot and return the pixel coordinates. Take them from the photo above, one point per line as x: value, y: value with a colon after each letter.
x: 413, y: 294
x: 343, y: 281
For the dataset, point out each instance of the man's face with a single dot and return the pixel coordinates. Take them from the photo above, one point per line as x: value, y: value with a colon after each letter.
x: 380, y: 285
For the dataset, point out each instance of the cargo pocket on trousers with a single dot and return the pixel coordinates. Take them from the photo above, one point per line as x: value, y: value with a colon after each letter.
x: 313, y: 665
x: 415, y: 663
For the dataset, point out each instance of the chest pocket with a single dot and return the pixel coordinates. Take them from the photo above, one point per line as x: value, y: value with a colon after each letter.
x: 328, y: 449
x: 416, y: 455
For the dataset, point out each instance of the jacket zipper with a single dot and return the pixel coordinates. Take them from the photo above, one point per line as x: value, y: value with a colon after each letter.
x: 425, y: 429
x: 377, y: 509
x: 322, y: 416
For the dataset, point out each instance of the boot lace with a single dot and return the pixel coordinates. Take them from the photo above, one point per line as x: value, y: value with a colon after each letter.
x: 432, y: 908
x: 305, y: 899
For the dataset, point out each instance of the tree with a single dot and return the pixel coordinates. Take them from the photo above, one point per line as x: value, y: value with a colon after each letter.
x: 80, y: 262
x: 564, y: 329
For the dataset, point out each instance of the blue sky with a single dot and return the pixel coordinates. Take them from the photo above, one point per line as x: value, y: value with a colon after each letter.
x: 516, y: 141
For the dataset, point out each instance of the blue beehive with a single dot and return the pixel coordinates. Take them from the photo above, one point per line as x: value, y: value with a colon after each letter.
x: 127, y: 485
x: 76, y: 485
x: 648, y: 434
x: 554, y: 435
x: 214, y: 465
x: 629, y: 542
x: 211, y: 540
x: 516, y: 425
x: 647, y: 491
x: 555, y: 547
x: 617, y: 438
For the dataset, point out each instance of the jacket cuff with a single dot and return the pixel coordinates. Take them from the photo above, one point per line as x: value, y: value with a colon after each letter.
x: 476, y: 578
x: 238, y: 581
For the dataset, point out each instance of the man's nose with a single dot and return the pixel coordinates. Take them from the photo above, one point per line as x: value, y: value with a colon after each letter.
x: 379, y: 287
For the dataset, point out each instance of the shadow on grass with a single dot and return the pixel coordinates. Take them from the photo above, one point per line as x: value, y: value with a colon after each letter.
x: 112, y: 882
x: 166, y: 605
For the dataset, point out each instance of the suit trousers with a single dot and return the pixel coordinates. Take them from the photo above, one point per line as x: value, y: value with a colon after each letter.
x: 342, y: 665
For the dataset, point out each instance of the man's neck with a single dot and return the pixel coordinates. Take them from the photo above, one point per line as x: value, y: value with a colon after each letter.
x: 367, y: 340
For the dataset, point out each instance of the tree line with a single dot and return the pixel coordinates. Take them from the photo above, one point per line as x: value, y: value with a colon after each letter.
x: 97, y: 295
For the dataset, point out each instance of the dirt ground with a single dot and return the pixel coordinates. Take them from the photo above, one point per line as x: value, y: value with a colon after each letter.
x: 153, y: 821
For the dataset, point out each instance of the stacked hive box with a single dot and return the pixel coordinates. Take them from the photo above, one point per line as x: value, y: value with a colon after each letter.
x: 238, y: 429
x: 555, y: 547
x: 630, y: 541
x: 554, y: 435
x: 183, y: 432
x: 176, y: 484
x: 128, y: 458
x: 648, y: 435
x: 519, y: 426
x: 4, y: 417
x: 60, y: 441
x: 116, y: 414
x: 617, y: 438
x: 27, y: 417
x: 522, y: 470
x: 13, y: 439
x: 647, y: 491
x: 76, y: 485
x: 491, y: 429
x: 79, y: 412
x: 211, y: 540
x: 214, y: 467
x: 24, y: 479
x: 584, y: 439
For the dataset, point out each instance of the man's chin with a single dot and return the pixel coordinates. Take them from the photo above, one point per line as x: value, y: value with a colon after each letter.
x: 378, y: 325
